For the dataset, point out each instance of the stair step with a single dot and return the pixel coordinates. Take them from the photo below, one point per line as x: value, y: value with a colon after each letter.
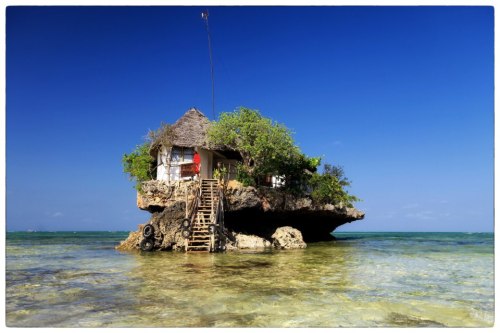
x: 208, y: 201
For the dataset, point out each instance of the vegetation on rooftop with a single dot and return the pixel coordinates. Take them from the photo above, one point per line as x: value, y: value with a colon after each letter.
x: 164, y: 135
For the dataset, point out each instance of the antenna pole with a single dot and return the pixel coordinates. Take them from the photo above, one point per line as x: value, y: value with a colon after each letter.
x: 204, y: 16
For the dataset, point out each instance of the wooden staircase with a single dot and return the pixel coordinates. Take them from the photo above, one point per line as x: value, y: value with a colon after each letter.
x: 202, y: 238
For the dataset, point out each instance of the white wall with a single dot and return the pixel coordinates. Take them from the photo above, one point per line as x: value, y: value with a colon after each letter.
x: 179, y: 156
x: 161, y: 170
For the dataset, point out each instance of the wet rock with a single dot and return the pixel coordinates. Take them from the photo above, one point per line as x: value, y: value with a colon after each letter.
x: 288, y: 238
x: 167, y: 226
x: 133, y: 240
x: 251, y: 242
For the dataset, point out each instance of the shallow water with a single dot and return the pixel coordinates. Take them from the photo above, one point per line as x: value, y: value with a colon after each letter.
x: 360, y: 280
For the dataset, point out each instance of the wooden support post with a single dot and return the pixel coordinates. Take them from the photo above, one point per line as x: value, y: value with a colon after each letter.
x: 186, y: 201
x: 212, y: 196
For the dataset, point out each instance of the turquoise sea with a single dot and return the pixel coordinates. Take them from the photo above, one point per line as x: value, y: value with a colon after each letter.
x: 66, y: 279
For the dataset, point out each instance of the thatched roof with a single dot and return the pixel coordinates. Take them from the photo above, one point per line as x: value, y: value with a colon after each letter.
x: 191, y: 129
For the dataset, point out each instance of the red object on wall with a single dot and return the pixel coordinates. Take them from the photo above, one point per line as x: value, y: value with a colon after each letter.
x: 197, y: 161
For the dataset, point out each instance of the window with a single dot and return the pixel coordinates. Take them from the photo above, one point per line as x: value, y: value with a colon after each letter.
x: 182, y: 155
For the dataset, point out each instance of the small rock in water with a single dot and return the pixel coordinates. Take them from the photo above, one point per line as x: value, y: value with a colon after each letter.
x: 251, y: 242
x: 288, y: 238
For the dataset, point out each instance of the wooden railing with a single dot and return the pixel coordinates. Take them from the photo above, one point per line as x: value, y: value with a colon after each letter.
x: 192, y: 207
x: 216, y: 232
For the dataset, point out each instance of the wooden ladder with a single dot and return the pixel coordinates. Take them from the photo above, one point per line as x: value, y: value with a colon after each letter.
x: 201, y: 239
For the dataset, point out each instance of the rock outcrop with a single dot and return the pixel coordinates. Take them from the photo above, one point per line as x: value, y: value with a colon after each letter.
x: 167, y: 229
x: 288, y: 238
x: 252, y: 216
x: 260, y: 211
x: 251, y: 242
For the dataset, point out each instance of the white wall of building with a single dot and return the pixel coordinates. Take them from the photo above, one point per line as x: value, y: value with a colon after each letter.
x: 161, y: 166
x: 177, y: 157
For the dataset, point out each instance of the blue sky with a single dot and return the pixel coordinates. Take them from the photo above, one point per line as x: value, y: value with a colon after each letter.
x: 401, y: 97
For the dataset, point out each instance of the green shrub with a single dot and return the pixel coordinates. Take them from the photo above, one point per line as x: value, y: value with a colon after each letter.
x: 139, y: 165
x: 329, y: 187
x: 266, y: 148
x: 243, y: 176
x: 262, y: 143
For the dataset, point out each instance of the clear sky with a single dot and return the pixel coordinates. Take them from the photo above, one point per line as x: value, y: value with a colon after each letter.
x: 401, y: 97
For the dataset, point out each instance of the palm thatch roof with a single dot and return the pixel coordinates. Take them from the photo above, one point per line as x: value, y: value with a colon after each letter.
x: 189, y: 131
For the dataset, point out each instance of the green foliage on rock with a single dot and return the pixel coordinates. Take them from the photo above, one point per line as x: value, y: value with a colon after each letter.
x: 266, y: 147
x: 329, y: 187
x: 138, y: 164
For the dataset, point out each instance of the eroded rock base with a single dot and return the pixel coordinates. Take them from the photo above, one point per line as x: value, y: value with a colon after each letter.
x: 254, y: 217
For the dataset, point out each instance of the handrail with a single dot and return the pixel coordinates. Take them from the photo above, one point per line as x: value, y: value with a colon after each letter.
x: 194, y: 203
x: 216, y: 197
x: 212, y: 199
x: 219, y: 220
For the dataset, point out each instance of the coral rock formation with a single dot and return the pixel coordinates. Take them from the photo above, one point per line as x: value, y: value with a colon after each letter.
x: 252, y: 216
x: 288, y: 238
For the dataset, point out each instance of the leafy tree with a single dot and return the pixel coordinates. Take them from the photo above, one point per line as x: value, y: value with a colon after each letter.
x: 138, y: 164
x: 297, y: 170
x: 329, y: 187
x: 264, y: 145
